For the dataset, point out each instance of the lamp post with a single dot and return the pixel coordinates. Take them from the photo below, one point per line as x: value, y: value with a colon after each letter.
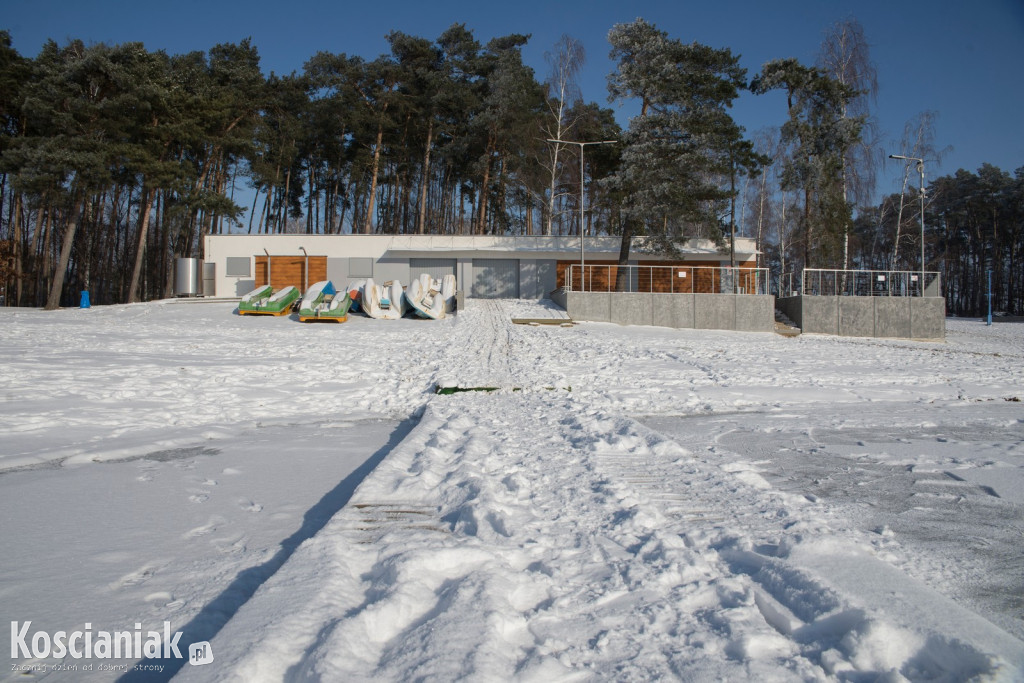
x: 305, y: 272
x: 581, y: 146
x: 920, y: 169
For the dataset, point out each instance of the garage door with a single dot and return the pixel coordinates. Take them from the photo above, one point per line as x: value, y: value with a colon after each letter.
x: 496, y: 278
x: 437, y: 268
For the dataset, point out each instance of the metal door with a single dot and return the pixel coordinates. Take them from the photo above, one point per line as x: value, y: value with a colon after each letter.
x: 496, y: 278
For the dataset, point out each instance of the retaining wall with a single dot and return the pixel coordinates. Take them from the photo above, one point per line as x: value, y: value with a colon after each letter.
x: 746, y: 312
x: 903, y: 317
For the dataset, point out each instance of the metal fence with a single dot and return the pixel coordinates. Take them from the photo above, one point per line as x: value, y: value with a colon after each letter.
x: 666, y: 279
x: 821, y: 282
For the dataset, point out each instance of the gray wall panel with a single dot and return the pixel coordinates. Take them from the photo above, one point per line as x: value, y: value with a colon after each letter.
x: 495, y: 279
x: 390, y: 268
x: 337, y: 272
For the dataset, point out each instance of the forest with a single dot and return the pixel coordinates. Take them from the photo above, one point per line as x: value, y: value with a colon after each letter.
x: 115, y: 159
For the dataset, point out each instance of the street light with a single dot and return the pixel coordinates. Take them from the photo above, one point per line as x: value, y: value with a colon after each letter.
x: 581, y: 146
x: 920, y: 169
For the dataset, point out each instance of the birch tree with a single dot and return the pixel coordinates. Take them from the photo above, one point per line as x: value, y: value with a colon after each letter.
x: 565, y: 61
x: 845, y: 56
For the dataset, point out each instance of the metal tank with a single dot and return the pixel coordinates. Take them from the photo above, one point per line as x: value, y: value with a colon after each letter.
x: 187, y: 274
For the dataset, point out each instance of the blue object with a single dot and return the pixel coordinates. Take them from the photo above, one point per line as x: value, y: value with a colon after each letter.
x: 989, y: 298
x: 84, y: 302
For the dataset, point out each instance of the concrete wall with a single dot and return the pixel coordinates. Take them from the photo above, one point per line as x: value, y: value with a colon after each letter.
x: 750, y: 313
x: 755, y: 313
x: 928, y: 317
x: 868, y: 316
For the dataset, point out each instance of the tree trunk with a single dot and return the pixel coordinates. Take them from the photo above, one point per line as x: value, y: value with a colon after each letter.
x: 554, y: 182
x: 133, y: 288
x: 622, y: 272
x: 807, y: 228
x: 899, y: 220
x: 481, y: 217
x: 421, y: 217
x: 18, y: 251
x: 368, y: 225
x: 53, y: 300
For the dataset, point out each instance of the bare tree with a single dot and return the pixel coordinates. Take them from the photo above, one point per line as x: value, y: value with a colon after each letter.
x: 844, y: 55
x: 566, y: 59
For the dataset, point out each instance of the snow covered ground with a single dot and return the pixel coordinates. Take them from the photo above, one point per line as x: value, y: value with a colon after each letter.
x: 632, y: 503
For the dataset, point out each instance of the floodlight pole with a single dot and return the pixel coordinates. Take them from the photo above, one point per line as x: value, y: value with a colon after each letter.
x: 920, y: 168
x: 582, y: 195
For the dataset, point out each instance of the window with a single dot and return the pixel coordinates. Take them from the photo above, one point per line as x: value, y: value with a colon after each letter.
x: 238, y: 266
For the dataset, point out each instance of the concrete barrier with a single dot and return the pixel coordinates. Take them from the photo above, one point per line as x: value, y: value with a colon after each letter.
x: 673, y: 310
x: 631, y: 308
x: 868, y: 316
x: 755, y: 313
x: 892, y: 317
x: 928, y: 317
x: 714, y: 311
x: 856, y: 315
x: 746, y: 312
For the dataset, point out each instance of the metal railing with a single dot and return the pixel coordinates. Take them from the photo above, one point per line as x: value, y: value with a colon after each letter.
x: 823, y: 282
x: 666, y: 279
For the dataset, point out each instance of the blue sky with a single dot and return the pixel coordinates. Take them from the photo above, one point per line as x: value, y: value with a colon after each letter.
x: 962, y: 60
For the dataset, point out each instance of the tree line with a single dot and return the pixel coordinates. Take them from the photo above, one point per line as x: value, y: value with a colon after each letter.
x: 114, y: 159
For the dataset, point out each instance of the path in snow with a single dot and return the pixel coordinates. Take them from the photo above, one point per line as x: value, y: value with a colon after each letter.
x: 521, y: 535
x: 541, y: 534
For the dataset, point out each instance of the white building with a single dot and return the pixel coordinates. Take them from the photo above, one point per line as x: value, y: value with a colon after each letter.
x: 485, y: 266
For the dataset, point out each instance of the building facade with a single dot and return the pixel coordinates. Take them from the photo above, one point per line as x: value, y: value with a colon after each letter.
x: 527, y: 267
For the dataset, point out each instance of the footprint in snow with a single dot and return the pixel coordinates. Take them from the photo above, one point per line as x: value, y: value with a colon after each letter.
x: 161, y: 597
x: 205, y: 529
x: 137, y: 577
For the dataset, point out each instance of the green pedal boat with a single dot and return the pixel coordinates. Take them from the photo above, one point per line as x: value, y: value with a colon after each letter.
x: 323, y: 303
x: 264, y: 301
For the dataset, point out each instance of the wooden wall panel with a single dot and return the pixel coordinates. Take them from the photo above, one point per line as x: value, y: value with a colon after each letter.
x: 704, y: 280
x: 289, y: 270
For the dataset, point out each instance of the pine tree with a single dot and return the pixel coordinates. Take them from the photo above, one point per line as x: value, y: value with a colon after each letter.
x: 683, y: 144
x: 820, y: 135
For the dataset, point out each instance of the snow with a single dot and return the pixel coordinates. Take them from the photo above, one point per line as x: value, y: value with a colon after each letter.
x: 631, y: 503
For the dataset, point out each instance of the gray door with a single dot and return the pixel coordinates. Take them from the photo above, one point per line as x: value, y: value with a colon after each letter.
x: 437, y: 268
x: 496, y: 278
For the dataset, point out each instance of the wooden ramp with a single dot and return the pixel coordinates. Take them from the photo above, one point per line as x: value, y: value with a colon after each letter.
x: 561, y: 322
